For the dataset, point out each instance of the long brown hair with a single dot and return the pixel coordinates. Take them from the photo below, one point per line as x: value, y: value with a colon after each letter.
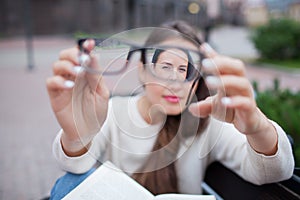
x: 164, y: 180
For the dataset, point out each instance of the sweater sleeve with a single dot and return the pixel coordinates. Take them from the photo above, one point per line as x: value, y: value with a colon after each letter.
x: 77, y: 165
x: 97, y: 151
x: 233, y: 150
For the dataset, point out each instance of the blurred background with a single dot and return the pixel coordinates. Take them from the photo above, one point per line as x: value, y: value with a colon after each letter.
x: 265, y: 34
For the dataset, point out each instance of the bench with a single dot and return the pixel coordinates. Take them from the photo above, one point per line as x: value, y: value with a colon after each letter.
x: 225, y: 184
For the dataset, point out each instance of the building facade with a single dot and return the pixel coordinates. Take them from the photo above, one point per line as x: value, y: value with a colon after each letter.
x: 108, y: 16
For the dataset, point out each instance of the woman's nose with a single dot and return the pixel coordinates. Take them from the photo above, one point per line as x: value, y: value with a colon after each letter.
x: 173, y: 75
x: 174, y: 85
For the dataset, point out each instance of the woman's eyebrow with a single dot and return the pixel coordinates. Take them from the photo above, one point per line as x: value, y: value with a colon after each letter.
x: 169, y: 63
x: 166, y: 62
x: 185, y: 66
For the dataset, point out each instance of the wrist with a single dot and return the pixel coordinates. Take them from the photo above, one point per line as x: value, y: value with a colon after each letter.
x: 74, y: 146
x: 260, y: 124
x: 265, y: 140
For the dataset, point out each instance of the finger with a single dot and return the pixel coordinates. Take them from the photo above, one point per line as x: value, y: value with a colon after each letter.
x: 87, y: 57
x: 95, y: 81
x: 65, y: 68
x: 224, y: 65
x: 59, y: 83
x: 88, y: 45
x: 201, y: 108
x: 85, y: 52
x: 239, y: 102
x: 230, y: 85
x: 70, y: 55
x: 208, y: 51
x: 97, y: 84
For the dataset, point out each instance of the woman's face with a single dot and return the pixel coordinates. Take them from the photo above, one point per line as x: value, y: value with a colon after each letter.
x: 169, y: 95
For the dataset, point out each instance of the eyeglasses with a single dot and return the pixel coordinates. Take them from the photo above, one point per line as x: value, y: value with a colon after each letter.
x: 166, y: 63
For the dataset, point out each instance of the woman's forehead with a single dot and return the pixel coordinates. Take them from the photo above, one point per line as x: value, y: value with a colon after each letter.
x: 173, y: 53
x: 179, y: 42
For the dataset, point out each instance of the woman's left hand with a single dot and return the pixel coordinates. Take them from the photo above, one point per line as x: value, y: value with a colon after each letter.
x: 234, y: 101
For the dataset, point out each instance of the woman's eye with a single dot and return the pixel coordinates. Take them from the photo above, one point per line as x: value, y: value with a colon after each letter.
x: 182, y: 70
x: 165, y: 67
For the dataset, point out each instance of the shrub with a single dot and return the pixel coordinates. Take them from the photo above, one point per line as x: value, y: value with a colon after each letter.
x: 279, y: 39
x: 282, y: 106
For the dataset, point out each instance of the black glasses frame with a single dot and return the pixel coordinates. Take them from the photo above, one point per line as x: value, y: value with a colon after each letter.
x: 140, y: 48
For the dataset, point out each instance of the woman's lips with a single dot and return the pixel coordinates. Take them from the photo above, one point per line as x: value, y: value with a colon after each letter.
x: 172, y: 99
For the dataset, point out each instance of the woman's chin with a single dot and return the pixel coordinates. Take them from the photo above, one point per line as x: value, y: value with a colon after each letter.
x: 173, y: 111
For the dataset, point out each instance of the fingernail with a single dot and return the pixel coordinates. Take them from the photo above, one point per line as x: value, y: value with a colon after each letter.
x: 193, y: 106
x: 193, y: 109
x: 86, y: 43
x: 69, y: 84
x: 207, y: 63
x: 213, y: 81
x: 84, y: 59
x: 226, y: 100
x: 77, y: 69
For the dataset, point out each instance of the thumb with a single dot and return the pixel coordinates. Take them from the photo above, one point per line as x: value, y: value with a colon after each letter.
x: 87, y: 58
x: 90, y: 61
x: 88, y: 45
x: 202, y: 108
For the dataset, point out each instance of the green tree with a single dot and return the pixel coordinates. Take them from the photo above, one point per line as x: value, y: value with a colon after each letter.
x: 282, y: 106
x: 279, y: 39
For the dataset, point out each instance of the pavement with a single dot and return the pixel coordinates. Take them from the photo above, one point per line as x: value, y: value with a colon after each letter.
x: 27, y: 123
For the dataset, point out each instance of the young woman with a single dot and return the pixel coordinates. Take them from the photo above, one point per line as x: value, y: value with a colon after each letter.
x: 166, y: 136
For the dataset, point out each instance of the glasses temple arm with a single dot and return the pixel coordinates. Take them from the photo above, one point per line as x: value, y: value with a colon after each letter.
x: 190, y: 92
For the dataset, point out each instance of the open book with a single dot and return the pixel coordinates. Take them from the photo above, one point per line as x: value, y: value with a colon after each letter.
x: 110, y: 183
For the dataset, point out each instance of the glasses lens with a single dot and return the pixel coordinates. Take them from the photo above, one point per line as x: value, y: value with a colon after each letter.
x: 114, y: 56
x: 111, y: 56
x: 170, y: 63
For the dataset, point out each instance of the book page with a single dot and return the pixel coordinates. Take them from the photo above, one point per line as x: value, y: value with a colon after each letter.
x: 109, y: 183
x: 184, y: 197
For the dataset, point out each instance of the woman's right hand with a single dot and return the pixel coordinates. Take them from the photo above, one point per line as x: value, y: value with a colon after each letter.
x: 79, y: 100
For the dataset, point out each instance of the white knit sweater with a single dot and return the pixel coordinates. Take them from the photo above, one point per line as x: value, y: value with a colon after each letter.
x: 126, y: 139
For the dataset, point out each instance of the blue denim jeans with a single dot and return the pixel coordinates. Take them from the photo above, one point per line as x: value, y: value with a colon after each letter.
x: 67, y: 183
